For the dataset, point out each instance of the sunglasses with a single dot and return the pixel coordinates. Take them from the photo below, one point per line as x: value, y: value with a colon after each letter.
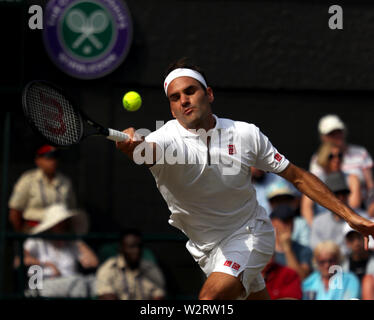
x: 339, y: 155
x: 328, y: 261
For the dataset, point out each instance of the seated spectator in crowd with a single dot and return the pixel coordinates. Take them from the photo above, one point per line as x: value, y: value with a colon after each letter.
x: 359, y: 261
x: 39, y: 188
x: 288, y: 252
x: 329, y: 158
x: 328, y: 282
x: 328, y: 225
x: 356, y: 159
x: 282, y: 192
x: 370, y: 204
x: 261, y: 180
x: 282, y: 283
x: 60, y: 259
x: 127, y: 276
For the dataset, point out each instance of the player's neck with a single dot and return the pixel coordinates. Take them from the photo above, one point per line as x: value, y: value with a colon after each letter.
x: 206, y: 124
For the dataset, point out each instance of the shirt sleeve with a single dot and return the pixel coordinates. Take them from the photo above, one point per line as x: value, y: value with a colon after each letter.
x: 159, y: 138
x: 368, y: 161
x: 104, y: 283
x: 20, y: 195
x: 268, y: 158
x: 31, y: 246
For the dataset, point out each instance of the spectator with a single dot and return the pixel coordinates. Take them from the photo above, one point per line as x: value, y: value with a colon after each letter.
x: 329, y: 282
x: 282, y: 283
x: 60, y: 260
x: 328, y: 225
x: 329, y: 158
x: 359, y: 261
x: 356, y: 159
x: 288, y: 252
x: 370, y: 205
x: 261, y: 180
x: 282, y: 192
x: 39, y: 188
x: 127, y: 276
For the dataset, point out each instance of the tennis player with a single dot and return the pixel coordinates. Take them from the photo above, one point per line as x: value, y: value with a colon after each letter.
x: 201, y: 164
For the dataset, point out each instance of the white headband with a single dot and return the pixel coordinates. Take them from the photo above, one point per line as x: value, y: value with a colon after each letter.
x: 182, y: 72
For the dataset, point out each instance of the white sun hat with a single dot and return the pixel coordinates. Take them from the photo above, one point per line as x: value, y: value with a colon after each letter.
x: 330, y: 123
x: 53, y: 215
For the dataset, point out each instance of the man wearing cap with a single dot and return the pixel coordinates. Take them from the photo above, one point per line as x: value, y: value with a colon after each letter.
x: 201, y: 164
x: 37, y: 189
x: 289, y: 252
x: 356, y: 159
x: 328, y: 225
x: 284, y: 193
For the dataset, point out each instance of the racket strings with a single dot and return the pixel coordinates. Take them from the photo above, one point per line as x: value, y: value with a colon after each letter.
x: 53, y: 115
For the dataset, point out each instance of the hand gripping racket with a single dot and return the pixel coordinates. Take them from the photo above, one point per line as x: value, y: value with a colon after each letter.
x: 52, y: 115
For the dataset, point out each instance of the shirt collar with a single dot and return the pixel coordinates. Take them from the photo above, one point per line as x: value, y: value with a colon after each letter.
x: 187, y: 133
x: 41, y: 176
x: 122, y: 264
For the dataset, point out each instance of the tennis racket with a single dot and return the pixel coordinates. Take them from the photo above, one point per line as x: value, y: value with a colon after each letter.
x: 53, y: 116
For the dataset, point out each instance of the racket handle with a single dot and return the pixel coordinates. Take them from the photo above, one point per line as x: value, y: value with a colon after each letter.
x: 116, y: 135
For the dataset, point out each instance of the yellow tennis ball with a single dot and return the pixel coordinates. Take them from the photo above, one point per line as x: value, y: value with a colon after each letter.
x: 131, y: 101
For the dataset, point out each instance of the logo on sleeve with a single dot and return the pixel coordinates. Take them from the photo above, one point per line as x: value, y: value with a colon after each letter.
x: 278, y: 157
x: 232, y: 149
x: 236, y: 266
x: 228, y: 263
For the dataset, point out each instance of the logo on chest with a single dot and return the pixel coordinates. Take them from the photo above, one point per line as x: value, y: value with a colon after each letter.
x: 231, y: 148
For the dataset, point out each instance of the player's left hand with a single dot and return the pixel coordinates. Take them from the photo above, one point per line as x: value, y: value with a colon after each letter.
x: 364, y: 226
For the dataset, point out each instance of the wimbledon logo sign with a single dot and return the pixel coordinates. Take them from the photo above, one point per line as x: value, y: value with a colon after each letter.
x: 87, y: 39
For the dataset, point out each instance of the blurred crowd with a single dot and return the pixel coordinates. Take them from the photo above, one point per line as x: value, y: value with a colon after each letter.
x: 317, y: 255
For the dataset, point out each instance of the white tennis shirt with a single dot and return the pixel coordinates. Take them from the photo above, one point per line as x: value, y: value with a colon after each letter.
x: 208, y: 187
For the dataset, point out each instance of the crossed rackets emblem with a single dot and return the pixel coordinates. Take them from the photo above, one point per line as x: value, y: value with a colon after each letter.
x: 87, y: 26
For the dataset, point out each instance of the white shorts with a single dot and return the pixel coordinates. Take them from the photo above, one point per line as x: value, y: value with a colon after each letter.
x: 243, y: 254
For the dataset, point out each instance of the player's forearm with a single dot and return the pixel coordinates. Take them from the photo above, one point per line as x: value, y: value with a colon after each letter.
x: 317, y: 191
x: 138, y: 150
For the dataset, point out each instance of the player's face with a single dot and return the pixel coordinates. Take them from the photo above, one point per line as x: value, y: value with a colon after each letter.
x: 189, y: 103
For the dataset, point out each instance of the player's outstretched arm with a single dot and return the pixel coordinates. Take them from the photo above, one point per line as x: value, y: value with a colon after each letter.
x: 129, y: 147
x: 316, y: 190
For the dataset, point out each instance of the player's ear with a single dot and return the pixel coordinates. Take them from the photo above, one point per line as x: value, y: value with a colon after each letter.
x: 209, y: 92
x: 172, y: 112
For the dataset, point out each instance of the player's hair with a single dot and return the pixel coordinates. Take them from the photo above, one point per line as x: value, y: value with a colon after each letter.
x: 186, y: 63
